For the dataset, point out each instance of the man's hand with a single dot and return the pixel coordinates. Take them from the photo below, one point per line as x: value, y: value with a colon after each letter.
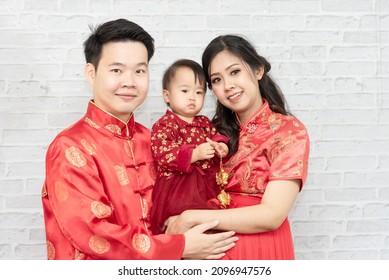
x: 199, y: 245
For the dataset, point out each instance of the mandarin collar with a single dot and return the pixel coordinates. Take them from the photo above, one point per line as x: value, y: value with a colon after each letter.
x: 197, y: 120
x: 256, y: 117
x: 100, y: 119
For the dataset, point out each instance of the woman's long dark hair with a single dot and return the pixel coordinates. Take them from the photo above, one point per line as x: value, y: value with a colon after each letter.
x: 224, y: 119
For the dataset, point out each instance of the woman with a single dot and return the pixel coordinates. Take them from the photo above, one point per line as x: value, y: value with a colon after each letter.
x: 269, y: 151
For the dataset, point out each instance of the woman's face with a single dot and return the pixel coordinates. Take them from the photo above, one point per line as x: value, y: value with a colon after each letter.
x: 235, y: 84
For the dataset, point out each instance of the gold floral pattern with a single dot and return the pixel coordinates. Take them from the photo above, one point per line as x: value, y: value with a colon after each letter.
x: 114, y: 128
x: 245, y: 149
x: 99, y: 245
x: 121, y: 174
x: 75, y: 157
x: 274, y: 122
x: 50, y: 250
x: 145, y: 208
x: 78, y: 255
x: 141, y: 242
x: 61, y: 191
x: 100, y: 210
x: 91, y: 123
x: 282, y: 144
x: 90, y: 148
x: 251, y: 128
x: 44, y: 191
x: 297, y: 171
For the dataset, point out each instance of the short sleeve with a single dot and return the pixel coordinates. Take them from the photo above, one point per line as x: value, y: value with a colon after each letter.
x: 289, y: 153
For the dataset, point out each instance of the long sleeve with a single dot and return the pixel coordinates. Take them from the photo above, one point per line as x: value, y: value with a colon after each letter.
x: 97, y: 196
x: 169, y: 151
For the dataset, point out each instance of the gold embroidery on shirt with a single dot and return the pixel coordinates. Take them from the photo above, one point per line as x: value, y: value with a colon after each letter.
x: 296, y: 172
x: 245, y: 149
x: 281, y: 145
x: 145, y: 208
x: 91, y: 148
x: 113, y: 128
x: 274, y: 121
x: 122, y: 175
x: 260, y: 184
x: 91, y: 123
x: 141, y: 242
x: 299, y: 168
x: 44, y: 190
x: 170, y: 157
x: 288, y: 141
x: 100, y: 210
x: 251, y: 128
x: 75, y: 157
x: 50, y: 250
x: 78, y: 255
x: 99, y: 244
x: 246, y: 182
x: 61, y: 191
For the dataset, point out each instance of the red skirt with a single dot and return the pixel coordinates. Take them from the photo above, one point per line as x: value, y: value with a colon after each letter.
x: 271, y: 245
x: 179, y: 192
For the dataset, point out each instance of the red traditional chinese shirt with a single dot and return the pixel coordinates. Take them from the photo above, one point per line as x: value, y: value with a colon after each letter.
x: 271, y: 147
x: 97, y: 192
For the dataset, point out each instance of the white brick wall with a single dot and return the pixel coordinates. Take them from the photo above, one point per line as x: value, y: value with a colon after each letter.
x: 330, y: 57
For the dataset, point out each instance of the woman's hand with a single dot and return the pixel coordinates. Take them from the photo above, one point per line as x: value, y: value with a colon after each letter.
x: 178, y: 224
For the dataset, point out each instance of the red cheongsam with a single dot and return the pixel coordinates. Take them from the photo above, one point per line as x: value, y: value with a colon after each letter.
x: 97, y: 192
x: 271, y: 147
x: 180, y: 184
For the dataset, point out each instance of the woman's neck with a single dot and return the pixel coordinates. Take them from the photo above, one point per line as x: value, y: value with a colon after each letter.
x: 246, y: 115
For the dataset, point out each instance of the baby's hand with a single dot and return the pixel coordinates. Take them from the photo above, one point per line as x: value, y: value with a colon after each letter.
x: 203, y: 151
x: 220, y: 148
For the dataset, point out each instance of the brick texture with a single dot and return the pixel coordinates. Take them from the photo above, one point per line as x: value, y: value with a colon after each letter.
x: 330, y: 57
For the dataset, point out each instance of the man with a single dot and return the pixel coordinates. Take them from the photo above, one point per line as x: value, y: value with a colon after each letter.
x: 100, y: 171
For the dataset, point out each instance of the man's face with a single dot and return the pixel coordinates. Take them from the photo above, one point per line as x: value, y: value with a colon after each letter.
x: 121, y: 80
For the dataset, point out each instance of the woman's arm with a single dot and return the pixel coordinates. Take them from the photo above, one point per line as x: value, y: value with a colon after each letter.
x: 276, y: 203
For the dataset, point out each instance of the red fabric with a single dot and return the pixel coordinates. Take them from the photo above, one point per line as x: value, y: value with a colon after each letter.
x: 271, y: 147
x: 271, y: 245
x: 181, y: 185
x: 97, y: 192
x: 178, y: 193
